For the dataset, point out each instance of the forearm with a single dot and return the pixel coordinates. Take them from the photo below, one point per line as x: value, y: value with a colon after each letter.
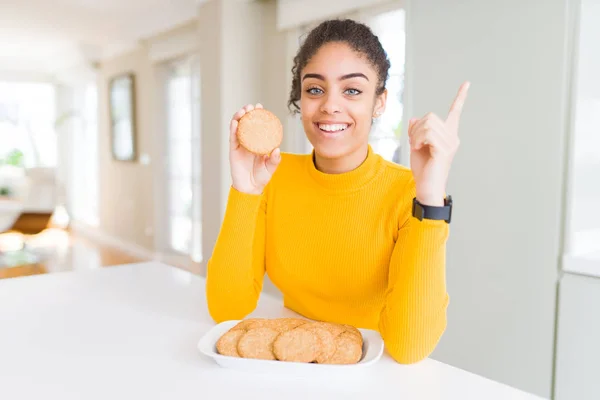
x: 414, y: 315
x: 236, y: 268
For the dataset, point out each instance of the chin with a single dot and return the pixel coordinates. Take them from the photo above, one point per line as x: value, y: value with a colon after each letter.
x: 330, y: 151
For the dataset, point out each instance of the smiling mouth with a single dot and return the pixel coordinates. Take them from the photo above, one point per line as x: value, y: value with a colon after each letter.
x: 332, y: 128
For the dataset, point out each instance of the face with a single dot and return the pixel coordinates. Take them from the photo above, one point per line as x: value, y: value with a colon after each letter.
x: 338, y: 101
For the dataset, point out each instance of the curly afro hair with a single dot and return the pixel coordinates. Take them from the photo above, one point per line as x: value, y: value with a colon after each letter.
x: 358, y: 36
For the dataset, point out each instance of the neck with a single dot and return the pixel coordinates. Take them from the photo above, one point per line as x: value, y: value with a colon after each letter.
x: 343, y: 164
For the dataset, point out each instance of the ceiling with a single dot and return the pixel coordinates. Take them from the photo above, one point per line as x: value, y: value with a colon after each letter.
x: 44, y: 36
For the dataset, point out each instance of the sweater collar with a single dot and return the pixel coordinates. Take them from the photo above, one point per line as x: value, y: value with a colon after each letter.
x: 347, y: 181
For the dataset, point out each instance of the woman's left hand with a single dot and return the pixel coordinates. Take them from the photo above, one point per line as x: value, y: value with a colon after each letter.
x: 433, y: 144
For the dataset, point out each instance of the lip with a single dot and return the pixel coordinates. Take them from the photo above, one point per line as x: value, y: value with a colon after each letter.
x: 328, y: 122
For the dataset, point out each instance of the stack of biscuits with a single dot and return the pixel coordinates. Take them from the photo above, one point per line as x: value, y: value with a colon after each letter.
x: 293, y: 339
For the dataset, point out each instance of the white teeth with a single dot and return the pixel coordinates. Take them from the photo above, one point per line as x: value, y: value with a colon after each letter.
x: 333, y: 127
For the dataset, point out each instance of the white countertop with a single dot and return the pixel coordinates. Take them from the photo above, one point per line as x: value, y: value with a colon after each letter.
x: 583, y: 264
x: 130, y: 332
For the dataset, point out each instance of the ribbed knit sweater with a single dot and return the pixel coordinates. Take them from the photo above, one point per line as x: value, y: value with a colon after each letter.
x: 341, y: 247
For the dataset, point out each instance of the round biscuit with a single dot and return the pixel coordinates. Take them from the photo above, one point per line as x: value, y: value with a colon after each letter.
x: 258, y: 323
x: 227, y: 344
x: 259, y: 131
x: 286, y: 324
x: 355, y: 332
x: 247, y: 324
x: 327, y: 340
x: 257, y: 343
x: 297, y: 345
x: 334, y: 328
x: 348, y: 350
x: 278, y: 324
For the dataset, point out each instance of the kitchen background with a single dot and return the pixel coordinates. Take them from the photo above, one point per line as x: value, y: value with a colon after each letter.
x: 113, y: 148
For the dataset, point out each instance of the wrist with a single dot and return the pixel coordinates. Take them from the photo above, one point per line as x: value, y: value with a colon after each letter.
x: 432, y: 200
x: 251, y: 191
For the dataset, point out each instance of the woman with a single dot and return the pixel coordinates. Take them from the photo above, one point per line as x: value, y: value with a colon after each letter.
x: 337, y: 230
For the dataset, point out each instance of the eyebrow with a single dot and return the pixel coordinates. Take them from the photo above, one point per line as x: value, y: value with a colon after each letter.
x: 341, y: 78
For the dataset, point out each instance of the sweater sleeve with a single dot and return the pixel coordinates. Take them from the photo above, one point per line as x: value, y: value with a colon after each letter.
x: 413, y: 318
x: 236, y: 269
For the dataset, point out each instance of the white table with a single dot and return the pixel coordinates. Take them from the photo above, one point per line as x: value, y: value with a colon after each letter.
x: 130, y: 332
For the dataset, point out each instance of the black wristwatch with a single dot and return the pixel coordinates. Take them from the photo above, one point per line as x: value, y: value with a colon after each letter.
x: 443, y: 213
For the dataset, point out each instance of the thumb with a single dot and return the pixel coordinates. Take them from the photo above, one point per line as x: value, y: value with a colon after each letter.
x: 273, y: 161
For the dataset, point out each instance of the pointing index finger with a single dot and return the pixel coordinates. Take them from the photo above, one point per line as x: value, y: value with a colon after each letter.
x: 457, y: 104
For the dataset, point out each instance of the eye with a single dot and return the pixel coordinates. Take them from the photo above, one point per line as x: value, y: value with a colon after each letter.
x: 314, y: 90
x: 353, y: 92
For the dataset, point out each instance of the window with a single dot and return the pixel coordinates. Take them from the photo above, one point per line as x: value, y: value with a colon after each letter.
x: 387, y: 130
x: 27, y: 117
x: 183, y: 158
x: 85, y: 157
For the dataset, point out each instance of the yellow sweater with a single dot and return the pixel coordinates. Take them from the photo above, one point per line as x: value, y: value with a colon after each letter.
x: 340, y: 247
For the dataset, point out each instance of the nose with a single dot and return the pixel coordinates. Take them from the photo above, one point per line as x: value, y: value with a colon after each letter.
x: 330, y: 105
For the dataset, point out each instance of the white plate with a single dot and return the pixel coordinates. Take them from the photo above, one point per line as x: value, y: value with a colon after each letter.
x: 372, y: 351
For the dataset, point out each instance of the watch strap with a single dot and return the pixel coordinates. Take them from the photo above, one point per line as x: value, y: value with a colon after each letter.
x: 443, y: 213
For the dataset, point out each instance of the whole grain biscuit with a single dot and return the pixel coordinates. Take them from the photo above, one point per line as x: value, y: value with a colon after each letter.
x: 260, y: 131
x: 259, y: 323
x: 327, y: 340
x: 334, y: 328
x: 299, y: 345
x: 285, y: 324
x: 257, y: 343
x: 355, y: 332
x: 247, y: 324
x: 227, y: 344
x: 348, y: 350
x: 278, y: 324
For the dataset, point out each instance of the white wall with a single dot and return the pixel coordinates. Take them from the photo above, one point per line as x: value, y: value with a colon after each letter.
x: 507, y: 180
x: 584, y: 222
x: 293, y: 13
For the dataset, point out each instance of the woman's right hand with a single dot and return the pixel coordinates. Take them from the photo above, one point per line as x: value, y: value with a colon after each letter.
x: 250, y: 173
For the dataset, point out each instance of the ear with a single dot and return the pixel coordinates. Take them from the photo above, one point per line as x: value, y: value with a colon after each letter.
x: 380, y: 102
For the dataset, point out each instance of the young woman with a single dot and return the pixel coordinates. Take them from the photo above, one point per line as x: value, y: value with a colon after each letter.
x: 345, y: 235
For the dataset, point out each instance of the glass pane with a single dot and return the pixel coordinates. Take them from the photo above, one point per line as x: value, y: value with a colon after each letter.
x: 183, y: 149
x: 27, y: 118
x: 181, y: 234
x: 195, y: 160
x: 389, y: 28
x: 91, y: 135
x: 387, y: 130
x: 84, y: 203
x: 180, y: 195
x: 387, y: 147
x: 179, y: 108
x: 197, y: 241
x: 180, y: 159
x: 390, y: 123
